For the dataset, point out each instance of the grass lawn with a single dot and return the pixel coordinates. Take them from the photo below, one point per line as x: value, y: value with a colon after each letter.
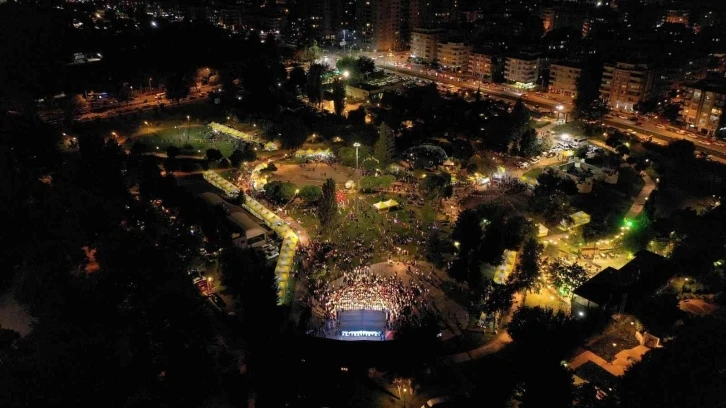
x: 192, y: 140
x: 534, y: 173
x: 538, y: 124
x: 574, y: 128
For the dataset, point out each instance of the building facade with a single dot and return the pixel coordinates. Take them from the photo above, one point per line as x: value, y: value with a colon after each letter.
x: 703, y: 106
x: 453, y: 56
x: 563, y: 78
x: 425, y: 43
x: 523, y: 69
x: 378, y: 24
x: 481, y: 64
x: 624, y: 85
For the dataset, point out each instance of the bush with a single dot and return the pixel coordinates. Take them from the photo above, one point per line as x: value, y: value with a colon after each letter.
x: 280, y: 192
x: 311, y: 194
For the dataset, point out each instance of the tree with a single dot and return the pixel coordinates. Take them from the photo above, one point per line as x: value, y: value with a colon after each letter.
x: 280, y: 192
x: 269, y: 169
x: 72, y: 107
x: 566, y: 277
x: 178, y: 86
x: 550, y: 196
x: 339, y: 96
x: 691, y: 365
x: 358, y: 116
x: 349, y: 65
x: 314, y: 84
x: 172, y: 152
x: 328, y: 206
x: 385, y: 147
x: 311, y: 52
x: 297, y: 77
x: 214, y: 155
x: 311, y: 194
x: 347, y: 155
x: 588, y: 91
x: 437, y: 186
x: 292, y: 133
x: 529, y: 144
x: 253, y: 285
x: 365, y: 65
x: 526, y: 275
x: 123, y: 93
x: 236, y: 158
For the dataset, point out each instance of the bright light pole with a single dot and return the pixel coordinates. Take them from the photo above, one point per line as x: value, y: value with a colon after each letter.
x: 346, y: 74
x: 356, y: 145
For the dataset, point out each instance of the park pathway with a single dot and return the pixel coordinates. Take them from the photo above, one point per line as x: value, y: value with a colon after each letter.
x: 642, y: 197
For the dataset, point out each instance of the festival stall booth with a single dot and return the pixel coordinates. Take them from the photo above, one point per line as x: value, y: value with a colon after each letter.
x: 310, y: 154
x: 289, y: 239
x: 221, y: 183
x: 542, y: 231
x: 234, y: 132
x: 385, y: 205
x: 575, y: 220
x: 506, y: 268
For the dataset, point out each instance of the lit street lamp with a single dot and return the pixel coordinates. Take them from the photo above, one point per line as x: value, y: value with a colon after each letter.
x: 356, y: 145
x: 346, y: 74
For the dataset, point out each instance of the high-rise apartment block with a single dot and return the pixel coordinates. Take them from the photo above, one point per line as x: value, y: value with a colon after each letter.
x: 624, y: 85
x: 522, y: 68
x: 481, y: 64
x: 564, y: 76
x: 703, y: 106
x: 425, y: 43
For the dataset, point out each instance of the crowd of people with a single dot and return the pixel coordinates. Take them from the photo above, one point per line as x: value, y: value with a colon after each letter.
x: 361, y: 289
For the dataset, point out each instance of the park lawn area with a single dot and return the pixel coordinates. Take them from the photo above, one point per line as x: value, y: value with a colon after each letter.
x: 534, y: 173
x: 538, y: 124
x: 191, y: 141
x: 574, y: 128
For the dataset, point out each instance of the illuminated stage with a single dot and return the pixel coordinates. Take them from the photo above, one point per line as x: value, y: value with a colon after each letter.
x: 369, y: 325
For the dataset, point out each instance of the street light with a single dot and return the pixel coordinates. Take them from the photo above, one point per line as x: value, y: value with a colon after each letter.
x: 346, y: 74
x: 356, y: 145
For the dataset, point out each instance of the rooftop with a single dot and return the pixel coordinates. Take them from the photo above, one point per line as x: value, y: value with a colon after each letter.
x: 639, y: 278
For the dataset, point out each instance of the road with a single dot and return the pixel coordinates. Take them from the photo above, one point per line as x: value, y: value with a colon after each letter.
x: 648, y: 128
x: 141, y: 103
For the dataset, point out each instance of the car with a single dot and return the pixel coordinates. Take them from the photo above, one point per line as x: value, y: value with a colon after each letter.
x: 534, y: 161
x: 659, y: 126
x: 719, y: 143
x: 271, y: 255
x: 681, y: 131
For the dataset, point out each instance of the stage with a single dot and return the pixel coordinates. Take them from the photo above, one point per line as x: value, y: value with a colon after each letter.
x: 366, y: 325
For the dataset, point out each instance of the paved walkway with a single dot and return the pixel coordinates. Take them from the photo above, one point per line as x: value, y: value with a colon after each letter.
x: 642, y: 197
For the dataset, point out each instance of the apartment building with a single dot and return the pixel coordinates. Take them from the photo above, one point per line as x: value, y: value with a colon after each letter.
x: 624, y: 85
x: 522, y: 68
x: 453, y: 55
x: 481, y: 64
x: 563, y: 77
x: 379, y: 24
x: 425, y: 43
x: 703, y: 106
